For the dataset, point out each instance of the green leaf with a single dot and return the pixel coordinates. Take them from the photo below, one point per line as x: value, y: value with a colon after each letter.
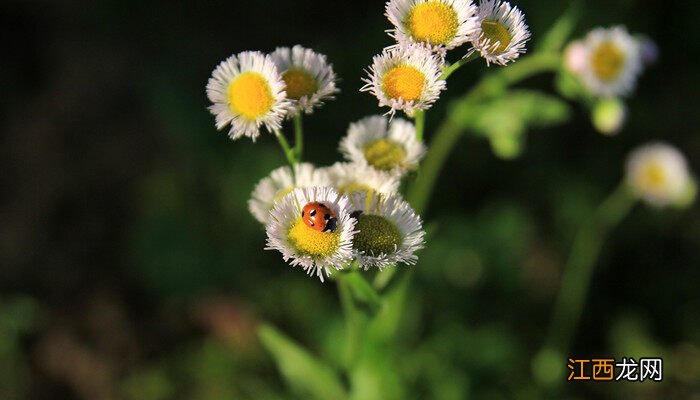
x: 363, y: 293
x: 306, y: 375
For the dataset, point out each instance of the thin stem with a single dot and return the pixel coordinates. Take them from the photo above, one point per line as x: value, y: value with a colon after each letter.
x: 449, y: 132
x: 419, y: 118
x: 578, y: 271
x: 447, y: 71
x: 288, y: 152
x: 354, y: 320
x: 298, y: 137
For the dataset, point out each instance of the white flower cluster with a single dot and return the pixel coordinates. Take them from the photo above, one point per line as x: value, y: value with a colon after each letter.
x: 409, y: 75
x: 252, y: 89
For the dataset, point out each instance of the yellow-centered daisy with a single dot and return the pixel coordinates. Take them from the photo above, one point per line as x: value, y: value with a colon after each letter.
x: 317, y: 252
x: 438, y: 24
x: 247, y: 92
x: 501, y: 32
x: 612, y: 62
x: 349, y: 178
x: 281, y: 182
x: 382, y: 145
x: 658, y: 174
x: 388, y: 231
x: 309, y: 79
x: 406, y: 77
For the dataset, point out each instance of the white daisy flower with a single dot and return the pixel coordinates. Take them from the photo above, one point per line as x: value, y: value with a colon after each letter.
x: 394, y: 149
x: 438, y: 24
x: 308, y: 77
x: 657, y: 173
x: 613, y: 62
x: 247, y: 92
x: 388, y: 231
x: 502, y: 32
x: 405, y: 78
x: 349, y: 178
x: 315, y: 250
x: 280, y: 183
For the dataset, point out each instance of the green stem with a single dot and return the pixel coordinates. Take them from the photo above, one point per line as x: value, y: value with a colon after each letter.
x: 578, y: 271
x: 447, y: 71
x: 354, y: 320
x: 449, y: 132
x: 419, y: 118
x: 288, y: 152
x: 298, y: 137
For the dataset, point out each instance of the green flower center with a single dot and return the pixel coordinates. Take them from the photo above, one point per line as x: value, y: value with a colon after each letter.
x: 353, y: 187
x: 310, y: 242
x: 376, y: 235
x: 495, y: 31
x: 299, y: 83
x: 384, y: 154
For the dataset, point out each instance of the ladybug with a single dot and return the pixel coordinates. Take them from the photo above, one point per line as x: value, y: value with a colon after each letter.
x: 319, y: 216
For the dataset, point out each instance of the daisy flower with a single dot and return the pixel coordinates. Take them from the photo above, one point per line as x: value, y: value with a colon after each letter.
x: 502, y: 32
x: 658, y: 174
x: 613, y: 62
x: 405, y: 78
x: 438, y: 24
x: 388, y: 231
x: 315, y: 250
x: 247, y: 92
x: 308, y: 78
x: 349, y: 178
x: 394, y: 149
x: 280, y: 183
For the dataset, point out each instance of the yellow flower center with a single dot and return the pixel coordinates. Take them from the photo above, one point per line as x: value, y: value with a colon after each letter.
x: 299, y: 83
x: 250, y: 95
x: 495, y: 31
x: 310, y: 242
x: 353, y: 187
x: 404, y: 82
x: 376, y: 235
x: 433, y: 22
x: 607, y: 61
x: 384, y: 154
x: 654, y: 176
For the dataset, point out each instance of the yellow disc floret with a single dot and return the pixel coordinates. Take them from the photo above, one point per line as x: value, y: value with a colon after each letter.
x: 495, y: 31
x: 376, y: 235
x: 404, y: 82
x: 299, y: 83
x: 353, y: 187
x: 654, y: 176
x: 433, y: 22
x: 311, y: 242
x: 607, y: 61
x: 249, y: 95
x: 384, y: 154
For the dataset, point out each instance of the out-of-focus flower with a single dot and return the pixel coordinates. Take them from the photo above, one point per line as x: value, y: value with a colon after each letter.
x: 315, y: 250
x: 502, y: 32
x: 609, y: 116
x: 658, y: 174
x: 613, y: 62
x: 394, y: 149
x: 280, y: 183
x: 405, y: 78
x: 388, y: 231
x: 308, y: 78
x: 438, y: 24
x: 650, y: 51
x: 575, y: 57
x: 247, y: 92
x: 349, y: 178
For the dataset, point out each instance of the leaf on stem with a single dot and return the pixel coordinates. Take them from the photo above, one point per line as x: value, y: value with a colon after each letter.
x: 306, y: 375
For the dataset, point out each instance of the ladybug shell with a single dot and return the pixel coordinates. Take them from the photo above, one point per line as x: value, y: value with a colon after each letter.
x: 319, y: 217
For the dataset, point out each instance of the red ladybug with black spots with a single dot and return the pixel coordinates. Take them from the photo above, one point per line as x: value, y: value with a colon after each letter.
x: 319, y: 216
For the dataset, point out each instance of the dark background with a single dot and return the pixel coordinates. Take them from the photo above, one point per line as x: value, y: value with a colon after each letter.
x: 131, y: 268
